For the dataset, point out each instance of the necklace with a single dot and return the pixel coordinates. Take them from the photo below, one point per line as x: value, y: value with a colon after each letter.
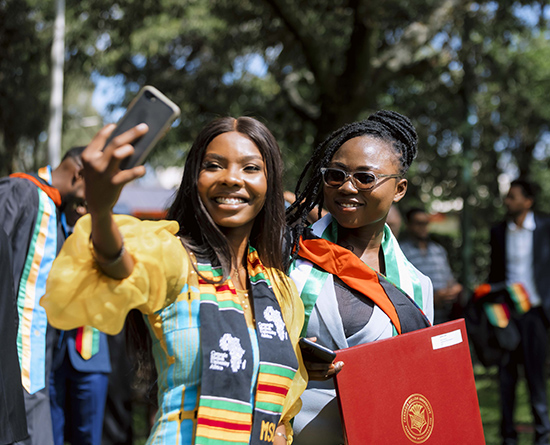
x: 235, y: 271
x: 237, y: 277
x: 242, y: 293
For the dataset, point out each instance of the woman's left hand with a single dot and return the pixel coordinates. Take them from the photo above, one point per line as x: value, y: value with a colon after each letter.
x: 322, y: 371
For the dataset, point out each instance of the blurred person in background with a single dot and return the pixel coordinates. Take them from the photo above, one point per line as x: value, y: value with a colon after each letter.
x: 13, y: 422
x: 520, y: 253
x: 31, y: 206
x: 431, y: 259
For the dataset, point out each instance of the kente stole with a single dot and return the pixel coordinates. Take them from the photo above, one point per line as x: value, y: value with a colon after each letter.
x: 87, y: 341
x: 225, y: 413
x: 501, y: 302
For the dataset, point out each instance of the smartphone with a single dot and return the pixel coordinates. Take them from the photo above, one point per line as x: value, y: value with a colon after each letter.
x: 313, y: 352
x: 153, y: 108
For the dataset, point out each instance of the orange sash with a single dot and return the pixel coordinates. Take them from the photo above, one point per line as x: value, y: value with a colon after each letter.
x: 52, y: 192
x: 339, y: 261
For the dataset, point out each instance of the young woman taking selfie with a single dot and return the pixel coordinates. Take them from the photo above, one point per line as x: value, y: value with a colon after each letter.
x: 223, y: 319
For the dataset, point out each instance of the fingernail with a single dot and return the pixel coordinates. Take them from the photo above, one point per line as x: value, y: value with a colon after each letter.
x: 142, y: 127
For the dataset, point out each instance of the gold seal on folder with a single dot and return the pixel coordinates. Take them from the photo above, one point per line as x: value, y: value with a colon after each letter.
x: 417, y: 418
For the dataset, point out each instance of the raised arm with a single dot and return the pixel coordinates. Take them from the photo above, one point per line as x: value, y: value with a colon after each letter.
x: 104, y: 182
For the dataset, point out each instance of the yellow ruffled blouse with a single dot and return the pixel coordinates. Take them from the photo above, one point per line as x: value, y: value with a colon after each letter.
x: 79, y: 294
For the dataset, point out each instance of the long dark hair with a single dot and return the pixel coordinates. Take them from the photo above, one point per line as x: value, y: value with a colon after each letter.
x: 202, y: 236
x: 197, y: 229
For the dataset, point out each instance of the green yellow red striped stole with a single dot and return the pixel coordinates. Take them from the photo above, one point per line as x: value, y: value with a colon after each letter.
x: 503, y: 301
x: 241, y: 403
x: 87, y: 341
x: 498, y: 314
x: 520, y: 297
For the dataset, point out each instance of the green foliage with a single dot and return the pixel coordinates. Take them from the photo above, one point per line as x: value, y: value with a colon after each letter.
x: 471, y: 75
x: 25, y: 36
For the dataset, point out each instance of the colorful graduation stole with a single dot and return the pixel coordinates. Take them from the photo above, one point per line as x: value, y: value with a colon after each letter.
x: 503, y: 301
x: 520, y: 297
x: 498, y: 314
x: 31, y: 335
x: 226, y: 414
x: 341, y: 262
x: 87, y: 341
x: 399, y: 272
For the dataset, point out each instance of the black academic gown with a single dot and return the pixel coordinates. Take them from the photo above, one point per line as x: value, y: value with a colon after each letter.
x: 13, y: 421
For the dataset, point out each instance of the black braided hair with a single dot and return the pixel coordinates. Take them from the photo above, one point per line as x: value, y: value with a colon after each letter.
x: 386, y: 125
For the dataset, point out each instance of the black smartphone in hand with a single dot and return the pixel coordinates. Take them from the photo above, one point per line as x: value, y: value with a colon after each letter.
x: 313, y: 352
x: 153, y: 108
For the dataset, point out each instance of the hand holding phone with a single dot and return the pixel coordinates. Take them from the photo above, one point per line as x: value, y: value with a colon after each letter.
x: 313, y: 352
x: 319, y: 360
x: 153, y: 108
x: 103, y: 178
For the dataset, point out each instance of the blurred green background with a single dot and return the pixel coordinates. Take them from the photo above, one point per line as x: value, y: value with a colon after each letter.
x: 473, y: 76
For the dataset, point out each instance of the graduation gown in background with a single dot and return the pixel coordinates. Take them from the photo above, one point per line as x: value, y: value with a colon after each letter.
x: 13, y: 422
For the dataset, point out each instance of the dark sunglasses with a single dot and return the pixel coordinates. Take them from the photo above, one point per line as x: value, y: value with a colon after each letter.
x: 334, y: 177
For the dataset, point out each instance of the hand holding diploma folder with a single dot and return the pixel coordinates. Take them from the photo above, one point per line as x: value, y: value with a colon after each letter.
x: 411, y: 389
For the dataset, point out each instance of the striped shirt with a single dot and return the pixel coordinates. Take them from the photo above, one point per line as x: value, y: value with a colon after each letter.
x: 432, y: 262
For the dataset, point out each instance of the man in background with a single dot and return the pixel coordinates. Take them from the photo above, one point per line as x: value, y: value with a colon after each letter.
x: 30, y: 214
x: 431, y: 259
x: 520, y: 253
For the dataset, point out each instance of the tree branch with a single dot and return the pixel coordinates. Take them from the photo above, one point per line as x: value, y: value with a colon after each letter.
x: 414, y: 45
x: 306, y: 110
x: 312, y: 52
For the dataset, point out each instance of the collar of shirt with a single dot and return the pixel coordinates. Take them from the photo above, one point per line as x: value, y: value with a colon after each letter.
x: 528, y: 223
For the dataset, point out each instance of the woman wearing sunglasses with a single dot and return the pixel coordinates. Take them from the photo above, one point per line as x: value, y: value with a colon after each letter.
x: 356, y: 284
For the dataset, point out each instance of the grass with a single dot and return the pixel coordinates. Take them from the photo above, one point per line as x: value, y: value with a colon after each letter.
x: 489, y: 405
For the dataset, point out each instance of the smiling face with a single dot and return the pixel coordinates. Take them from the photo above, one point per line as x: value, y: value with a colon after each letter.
x: 354, y: 209
x: 232, y: 181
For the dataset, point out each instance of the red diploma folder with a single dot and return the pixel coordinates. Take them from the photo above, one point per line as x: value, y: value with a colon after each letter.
x: 411, y: 389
